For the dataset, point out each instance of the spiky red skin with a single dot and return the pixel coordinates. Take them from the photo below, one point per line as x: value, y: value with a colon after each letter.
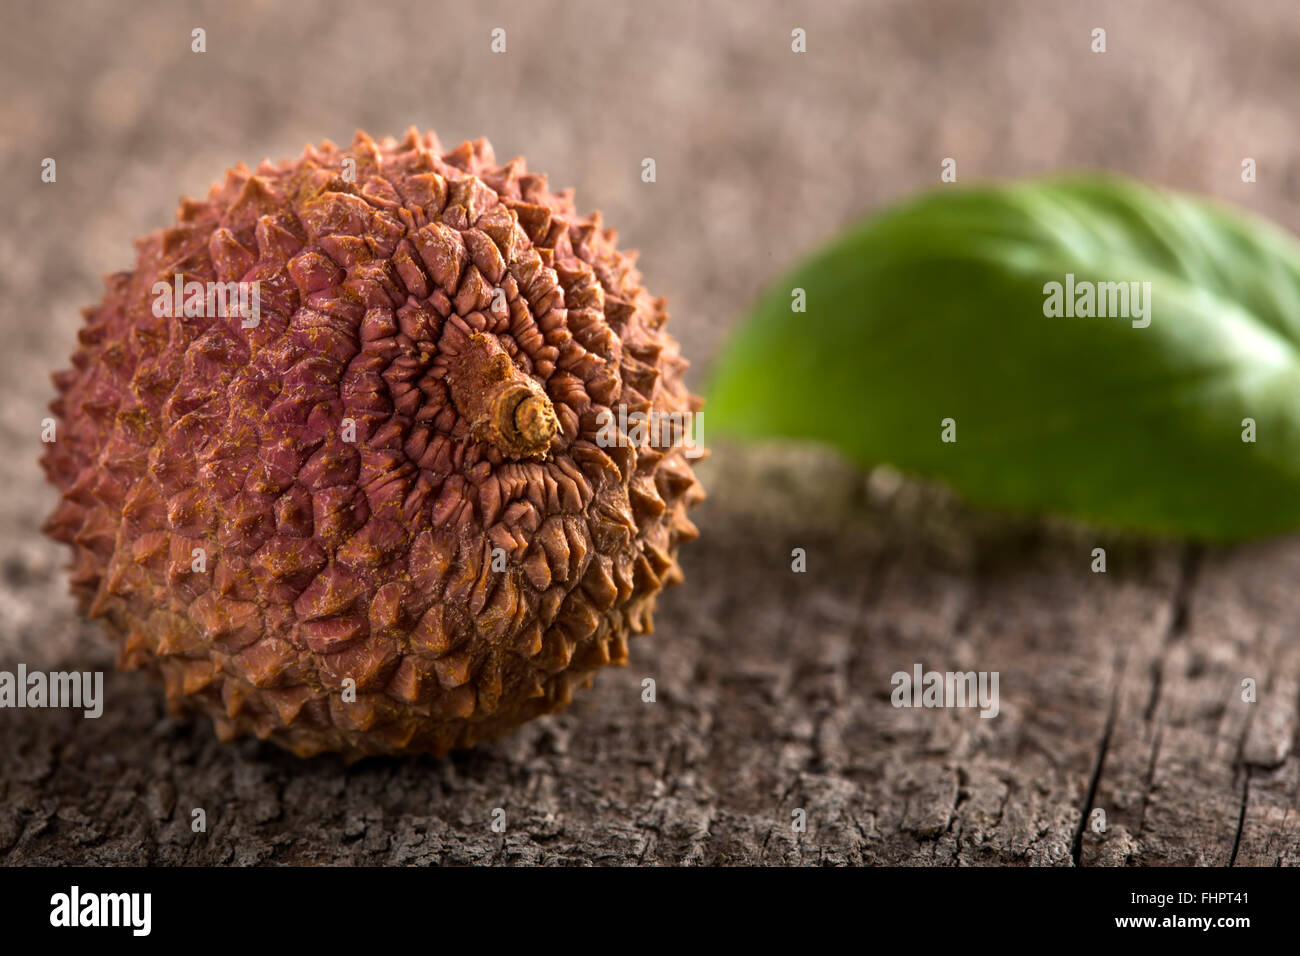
x: 326, y: 559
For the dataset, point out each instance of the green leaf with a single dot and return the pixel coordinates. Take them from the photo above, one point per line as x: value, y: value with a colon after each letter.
x: 935, y: 310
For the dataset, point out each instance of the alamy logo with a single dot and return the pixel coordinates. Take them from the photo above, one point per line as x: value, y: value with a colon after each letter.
x: 650, y: 429
x: 946, y: 689
x: 1117, y: 300
x: 102, y: 909
x: 77, y: 690
x: 211, y: 300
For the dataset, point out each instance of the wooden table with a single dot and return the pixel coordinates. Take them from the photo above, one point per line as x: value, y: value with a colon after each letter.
x: 1119, y: 691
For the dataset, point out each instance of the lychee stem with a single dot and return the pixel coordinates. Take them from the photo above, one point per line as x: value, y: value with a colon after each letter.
x: 504, y: 406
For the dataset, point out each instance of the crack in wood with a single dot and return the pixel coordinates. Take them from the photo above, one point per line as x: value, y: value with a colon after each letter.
x: 1076, y: 844
x: 1241, y: 819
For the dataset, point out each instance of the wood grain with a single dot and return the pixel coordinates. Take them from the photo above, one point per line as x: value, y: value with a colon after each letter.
x: 1118, y: 691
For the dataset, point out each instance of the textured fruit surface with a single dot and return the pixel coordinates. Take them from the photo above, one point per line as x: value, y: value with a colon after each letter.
x: 398, y: 476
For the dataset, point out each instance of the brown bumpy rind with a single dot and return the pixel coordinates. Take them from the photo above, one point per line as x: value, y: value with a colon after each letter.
x: 469, y: 328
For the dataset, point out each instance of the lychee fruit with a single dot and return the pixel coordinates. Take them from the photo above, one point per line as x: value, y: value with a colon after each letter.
x: 366, y: 454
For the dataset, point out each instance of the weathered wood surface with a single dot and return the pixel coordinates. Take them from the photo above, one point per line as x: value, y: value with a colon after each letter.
x: 1118, y: 690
